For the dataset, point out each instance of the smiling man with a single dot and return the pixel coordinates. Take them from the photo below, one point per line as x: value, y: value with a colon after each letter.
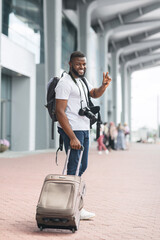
x: 71, y: 96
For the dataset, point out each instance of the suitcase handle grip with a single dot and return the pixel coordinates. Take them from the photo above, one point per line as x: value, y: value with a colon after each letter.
x: 82, y: 148
x: 67, y: 158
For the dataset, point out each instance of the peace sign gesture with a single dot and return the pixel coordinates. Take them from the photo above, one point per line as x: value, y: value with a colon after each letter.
x: 106, y: 79
x: 97, y: 92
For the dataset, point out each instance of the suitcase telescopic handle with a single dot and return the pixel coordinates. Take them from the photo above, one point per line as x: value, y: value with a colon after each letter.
x: 67, y: 159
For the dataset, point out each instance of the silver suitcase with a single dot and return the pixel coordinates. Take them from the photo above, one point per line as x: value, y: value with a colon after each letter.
x: 61, y: 200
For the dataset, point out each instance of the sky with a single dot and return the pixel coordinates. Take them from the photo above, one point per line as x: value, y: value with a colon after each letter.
x: 145, y: 92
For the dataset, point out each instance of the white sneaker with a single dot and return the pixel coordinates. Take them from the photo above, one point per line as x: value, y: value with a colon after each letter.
x: 85, y: 215
x: 100, y: 152
x: 107, y: 152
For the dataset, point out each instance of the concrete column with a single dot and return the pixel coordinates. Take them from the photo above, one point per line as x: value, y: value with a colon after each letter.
x: 108, y: 34
x: 20, y: 125
x: 52, y: 36
x: 41, y: 133
x: 84, y: 21
x: 103, y: 67
x: 124, y: 82
x: 0, y: 56
x: 129, y: 101
x: 114, y: 72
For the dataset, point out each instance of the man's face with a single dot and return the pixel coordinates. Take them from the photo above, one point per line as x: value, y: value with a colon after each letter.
x: 78, y: 66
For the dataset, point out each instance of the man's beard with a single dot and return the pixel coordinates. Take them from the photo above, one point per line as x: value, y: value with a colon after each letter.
x: 76, y: 73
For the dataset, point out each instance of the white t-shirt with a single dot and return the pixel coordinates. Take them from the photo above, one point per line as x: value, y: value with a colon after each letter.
x: 67, y: 89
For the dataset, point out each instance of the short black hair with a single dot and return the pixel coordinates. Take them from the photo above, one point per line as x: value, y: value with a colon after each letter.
x: 76, y: 54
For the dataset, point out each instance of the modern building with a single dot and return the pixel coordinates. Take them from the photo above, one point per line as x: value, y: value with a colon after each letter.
x: 37, y: 38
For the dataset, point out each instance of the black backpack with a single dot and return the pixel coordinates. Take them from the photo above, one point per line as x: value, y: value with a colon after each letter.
x: 51, y: 106
x: 51, y: 101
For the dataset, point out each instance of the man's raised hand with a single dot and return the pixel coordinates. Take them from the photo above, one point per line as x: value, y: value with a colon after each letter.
x: 106, y: 79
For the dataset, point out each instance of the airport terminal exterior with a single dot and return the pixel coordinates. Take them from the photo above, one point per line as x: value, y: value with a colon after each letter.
x: 37, y: 38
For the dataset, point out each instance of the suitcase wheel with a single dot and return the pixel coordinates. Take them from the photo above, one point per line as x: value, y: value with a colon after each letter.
x: 73, y: 230
x: 41, y: 228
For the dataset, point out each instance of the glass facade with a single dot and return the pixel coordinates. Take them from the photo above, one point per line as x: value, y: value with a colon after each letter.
x: 69, y: 41
x: 22, y: 22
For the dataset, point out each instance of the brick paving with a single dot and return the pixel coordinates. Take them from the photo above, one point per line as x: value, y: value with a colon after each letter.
x: 123, y: 189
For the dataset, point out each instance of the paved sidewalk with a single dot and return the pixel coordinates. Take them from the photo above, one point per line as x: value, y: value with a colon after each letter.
x: 123, y: 189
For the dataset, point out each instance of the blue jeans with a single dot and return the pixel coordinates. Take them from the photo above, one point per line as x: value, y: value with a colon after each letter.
x: 83, y: 137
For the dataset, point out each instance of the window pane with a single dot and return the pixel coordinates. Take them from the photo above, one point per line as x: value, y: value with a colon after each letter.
x: 69, y: 41
x: 23, y: 23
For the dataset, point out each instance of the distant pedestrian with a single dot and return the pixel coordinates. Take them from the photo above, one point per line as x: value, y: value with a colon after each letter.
x: 100, y: 141
x: 155, y: 138
x: 106, y: 134
x: 120, y: 138
x: 112, y: 136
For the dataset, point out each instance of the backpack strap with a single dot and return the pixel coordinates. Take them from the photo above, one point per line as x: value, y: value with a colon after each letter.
x: 53, y: 120
x: 63, y: 73
x: 52, y: 129
x: 59, y: 148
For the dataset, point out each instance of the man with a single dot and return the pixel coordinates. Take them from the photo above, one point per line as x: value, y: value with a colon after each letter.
x: 71, y: 96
